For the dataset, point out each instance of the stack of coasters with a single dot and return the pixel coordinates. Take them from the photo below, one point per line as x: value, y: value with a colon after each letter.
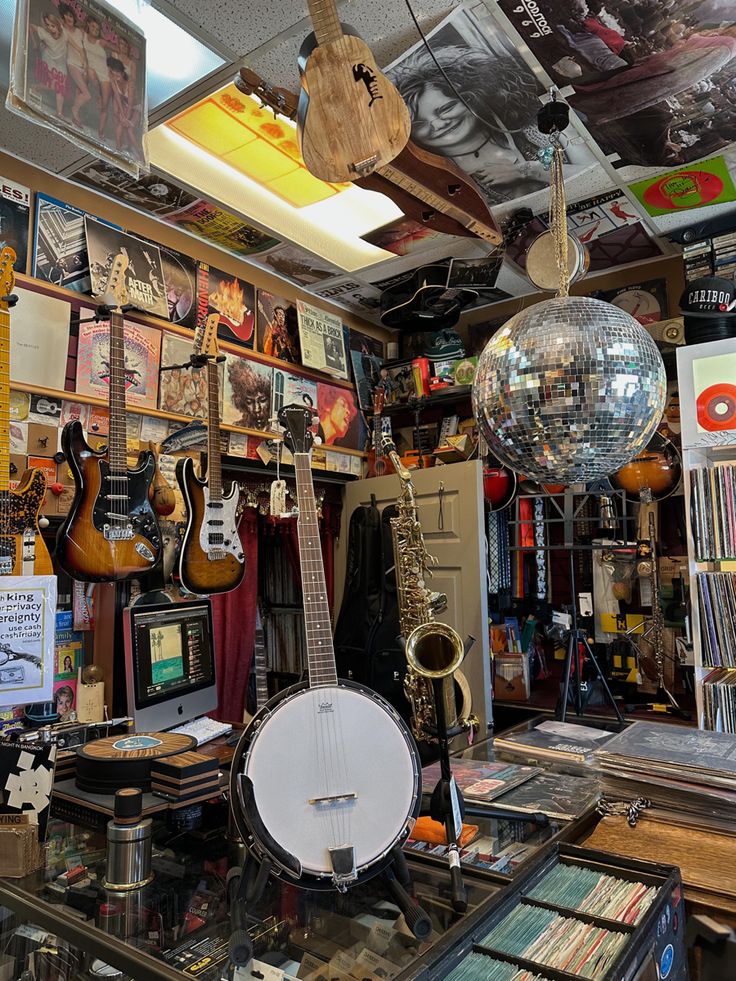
x: 186, y: 777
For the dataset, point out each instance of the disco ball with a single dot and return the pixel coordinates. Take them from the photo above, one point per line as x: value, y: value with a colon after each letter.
x: 571, y: 388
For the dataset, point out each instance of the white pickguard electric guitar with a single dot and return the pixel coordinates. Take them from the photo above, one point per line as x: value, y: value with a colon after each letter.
x: 326, y: 780
x: 211, y: 559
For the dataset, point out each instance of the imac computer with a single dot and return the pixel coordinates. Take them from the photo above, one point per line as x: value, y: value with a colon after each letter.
x: 169, y: 664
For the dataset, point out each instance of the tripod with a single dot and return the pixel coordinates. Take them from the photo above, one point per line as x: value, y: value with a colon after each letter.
x: 572, y: 662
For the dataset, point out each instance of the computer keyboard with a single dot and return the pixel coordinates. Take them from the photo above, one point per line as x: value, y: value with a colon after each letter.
x: 204, y: 729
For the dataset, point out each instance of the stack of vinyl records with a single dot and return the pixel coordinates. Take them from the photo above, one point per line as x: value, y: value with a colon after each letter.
x: 555, y: 742
x: 717, y: 605
x: 688, y: 774
x: 66, y: 766
x: 712, y: 512
x: 186, y: 777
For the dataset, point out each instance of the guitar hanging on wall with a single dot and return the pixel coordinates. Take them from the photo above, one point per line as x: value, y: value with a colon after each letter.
x: 111, y: 532
x: 350, y: 118
x: 428, y: 188
x: 378, y: 463
x: 211, y: 559
x: 350, y: 786
x: 23, y: 551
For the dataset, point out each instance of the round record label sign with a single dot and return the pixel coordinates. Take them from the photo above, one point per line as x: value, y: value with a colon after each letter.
x: 134, y: 744
x: 666, y: 961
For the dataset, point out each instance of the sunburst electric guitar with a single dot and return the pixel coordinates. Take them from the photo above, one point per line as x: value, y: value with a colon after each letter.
x: 111, y: 532
x: 350, y: 119
x: 23, y: 551
x: 211, y: 559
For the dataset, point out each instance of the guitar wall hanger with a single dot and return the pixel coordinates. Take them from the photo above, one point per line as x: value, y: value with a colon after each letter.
x: 11, y: 299
x: 195, y: 361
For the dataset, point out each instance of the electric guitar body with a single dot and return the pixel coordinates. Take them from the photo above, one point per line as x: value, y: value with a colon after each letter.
x: 90, y: 546
x: 350, y: 118
x: 211, y: 557
x: 23, y: 551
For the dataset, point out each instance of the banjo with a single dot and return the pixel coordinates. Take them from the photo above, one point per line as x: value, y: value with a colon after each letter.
x: 326, y: 779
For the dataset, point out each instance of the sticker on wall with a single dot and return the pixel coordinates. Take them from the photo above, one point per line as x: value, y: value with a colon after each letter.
x: 708, y: 182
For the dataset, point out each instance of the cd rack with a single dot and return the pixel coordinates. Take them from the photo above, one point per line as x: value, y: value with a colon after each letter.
x: 575, y: 914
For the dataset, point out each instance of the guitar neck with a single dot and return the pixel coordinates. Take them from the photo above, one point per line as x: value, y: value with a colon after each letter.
x: 214, y: 452
x: 117, y: 453
x: 320, y: 652
x: 260, y: 668
x: 325, y: 20
x: 4, y: 400
x: 433, y: 199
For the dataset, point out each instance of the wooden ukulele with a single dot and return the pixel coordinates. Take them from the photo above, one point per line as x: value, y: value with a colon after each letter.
x: 211, y: 558
x: 378, y: 463
x: 429, y: 189
x: 350, y: 118
x: 111, y: 532
x: 23, y: 551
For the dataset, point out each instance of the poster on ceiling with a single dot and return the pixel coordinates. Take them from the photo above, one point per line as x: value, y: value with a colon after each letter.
x: 653, y: 82
x: 144, y: 277
x: 79, y: 68
x: 152, y: 193
x: 222, y: 228
x: 708, y: 182
x: 477, y: 105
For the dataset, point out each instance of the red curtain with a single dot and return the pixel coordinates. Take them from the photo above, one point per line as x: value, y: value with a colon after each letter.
x: 234, y: 615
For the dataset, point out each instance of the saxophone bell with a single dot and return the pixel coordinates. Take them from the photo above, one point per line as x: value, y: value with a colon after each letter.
x: 434, y: 650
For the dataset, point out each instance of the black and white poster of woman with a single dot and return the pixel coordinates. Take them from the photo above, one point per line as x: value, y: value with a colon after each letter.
x: 654, y: 80
x: 478, y: 104
x: 79, y: 67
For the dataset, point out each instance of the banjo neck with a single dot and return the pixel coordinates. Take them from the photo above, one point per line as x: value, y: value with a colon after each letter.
x: 317, y: 623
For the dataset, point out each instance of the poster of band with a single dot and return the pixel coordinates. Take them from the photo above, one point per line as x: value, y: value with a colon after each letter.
x: 79, y: 67
x: 492, y: 134
x: 144, y: 277
x: 650, y: 79
x: 322, y: 340
x: 142, y: 359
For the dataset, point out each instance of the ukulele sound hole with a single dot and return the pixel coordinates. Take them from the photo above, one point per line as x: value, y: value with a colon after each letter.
x: 428, y: 215
x: 452, y: 189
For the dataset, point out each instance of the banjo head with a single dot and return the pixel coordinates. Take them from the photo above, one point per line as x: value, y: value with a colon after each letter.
x: 541, y: 262
x: 330, y: 767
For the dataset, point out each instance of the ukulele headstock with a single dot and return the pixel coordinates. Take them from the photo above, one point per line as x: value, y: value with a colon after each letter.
x: 116, y: 292
x: 297, y: 422
x: 7, y: 276
x: 379, y: 399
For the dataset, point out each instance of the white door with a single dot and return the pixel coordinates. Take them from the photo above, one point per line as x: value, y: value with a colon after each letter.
x: 450, y: 508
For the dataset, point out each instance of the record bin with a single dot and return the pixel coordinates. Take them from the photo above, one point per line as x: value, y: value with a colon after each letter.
x: 653, y: 951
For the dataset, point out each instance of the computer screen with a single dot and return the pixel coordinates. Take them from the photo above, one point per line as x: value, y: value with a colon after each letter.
x: 170, y: 663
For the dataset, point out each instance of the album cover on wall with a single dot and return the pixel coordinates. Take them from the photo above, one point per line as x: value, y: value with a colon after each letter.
x: 278, y: 327
x: 247, y: 393
x: 339, y: 419
x: 291, y: 389
x: 144, y: 278
x: 59, y: 245
x: 142, y: 356
x: 39, y: 339
x: 366, y: 356
x: 322, y: 340
x: 180, y: 281
x: 15, y: 210
x: 646, y: 302
x: 231, y: 297
x: 181, y: 390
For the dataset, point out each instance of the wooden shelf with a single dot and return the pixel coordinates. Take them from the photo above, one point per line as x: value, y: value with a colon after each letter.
x: 40, y: 285
x: 446, y: 396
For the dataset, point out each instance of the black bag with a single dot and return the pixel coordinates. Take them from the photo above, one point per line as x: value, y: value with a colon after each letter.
x: 367, y: 648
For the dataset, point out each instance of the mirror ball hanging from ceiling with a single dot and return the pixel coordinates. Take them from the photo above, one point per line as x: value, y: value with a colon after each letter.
x: 571, y: 388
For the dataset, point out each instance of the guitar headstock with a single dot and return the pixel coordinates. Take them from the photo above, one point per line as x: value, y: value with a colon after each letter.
x: 116, y: 293
x: 7, y: 275
x: 205, y: 337
x: 279, y: 100
x: 297, y: 421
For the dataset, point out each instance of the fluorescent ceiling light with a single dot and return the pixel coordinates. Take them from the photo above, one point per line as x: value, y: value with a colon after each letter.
x: 216, y: 160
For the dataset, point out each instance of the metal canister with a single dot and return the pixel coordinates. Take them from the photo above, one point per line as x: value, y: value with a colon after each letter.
x: 128, y: 855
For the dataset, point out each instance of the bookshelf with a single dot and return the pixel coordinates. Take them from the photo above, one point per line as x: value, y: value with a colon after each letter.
x: 707, y: 382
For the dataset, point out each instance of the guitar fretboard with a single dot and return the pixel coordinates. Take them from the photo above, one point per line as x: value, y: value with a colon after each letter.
x: 117, y: 453
x: 4, y: 400
x: 214, y: 453
x: 320, y: 652
x: 259, y: 664
x: 325, y: 20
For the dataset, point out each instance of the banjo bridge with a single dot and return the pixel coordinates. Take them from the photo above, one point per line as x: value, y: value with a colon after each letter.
x: 334, y: 799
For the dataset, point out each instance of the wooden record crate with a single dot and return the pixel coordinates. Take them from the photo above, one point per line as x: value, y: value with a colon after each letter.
x: 655, y: 950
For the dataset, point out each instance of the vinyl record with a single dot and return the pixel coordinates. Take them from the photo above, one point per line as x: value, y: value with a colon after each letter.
x: 716, y: 407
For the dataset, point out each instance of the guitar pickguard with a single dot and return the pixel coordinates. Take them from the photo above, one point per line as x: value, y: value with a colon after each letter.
x: 141, y: 520
x: 218, y: 533
x: 18, y: 518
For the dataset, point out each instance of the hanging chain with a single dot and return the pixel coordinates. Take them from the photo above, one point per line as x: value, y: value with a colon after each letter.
x: 558, y: 219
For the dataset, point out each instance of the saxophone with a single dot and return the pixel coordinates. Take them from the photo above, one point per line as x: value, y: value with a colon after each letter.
x: 433, y: 650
